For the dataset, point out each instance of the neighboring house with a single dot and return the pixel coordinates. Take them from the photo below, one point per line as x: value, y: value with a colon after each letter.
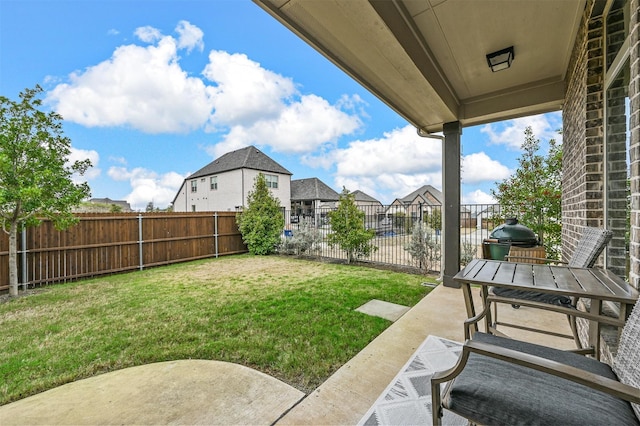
x: 423, y: 201
x: 224, y: 184
x: 372, y: 208
x: 367, y: 202
x: 424, y: 198
x: 311, y: 194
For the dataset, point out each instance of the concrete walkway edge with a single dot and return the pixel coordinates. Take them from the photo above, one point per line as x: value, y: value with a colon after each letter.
x: 173, y: 392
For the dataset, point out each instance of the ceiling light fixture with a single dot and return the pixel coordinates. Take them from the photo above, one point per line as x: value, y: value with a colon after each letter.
x: 501, y: 60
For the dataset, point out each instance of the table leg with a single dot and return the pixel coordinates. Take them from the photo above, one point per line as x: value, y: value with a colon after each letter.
x: 468, y: 302
x: 594, y: 327
x: 484, y: 292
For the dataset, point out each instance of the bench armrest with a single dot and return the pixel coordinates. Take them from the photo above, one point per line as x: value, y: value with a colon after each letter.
x: 541, y: 260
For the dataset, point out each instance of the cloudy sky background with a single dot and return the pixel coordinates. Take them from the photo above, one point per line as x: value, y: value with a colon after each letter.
x: 153, y: 91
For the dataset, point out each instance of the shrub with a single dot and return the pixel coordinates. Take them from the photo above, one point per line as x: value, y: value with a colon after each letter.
x: 423, y: 248
x: 305, y: 241
x: 261, y: 223
x: 348, y: 230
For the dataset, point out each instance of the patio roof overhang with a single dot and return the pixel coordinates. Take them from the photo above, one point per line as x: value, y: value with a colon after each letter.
x: 426, y: 59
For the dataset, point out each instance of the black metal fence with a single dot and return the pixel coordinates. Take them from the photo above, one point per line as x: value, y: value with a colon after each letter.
x: 394, y: 228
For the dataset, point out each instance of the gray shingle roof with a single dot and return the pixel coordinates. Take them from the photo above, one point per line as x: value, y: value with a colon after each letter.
x: 312, y: 189
x: 361, y: 196
x: 245, y: 158
x: 437, y: 194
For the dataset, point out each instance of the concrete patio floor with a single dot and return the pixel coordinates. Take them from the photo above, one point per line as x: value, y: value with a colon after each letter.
x: 211, y: 392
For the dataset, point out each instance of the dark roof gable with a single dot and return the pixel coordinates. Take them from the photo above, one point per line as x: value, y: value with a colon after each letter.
x: 361, y: 196
x: 245, y: 158
x: 312, y: 189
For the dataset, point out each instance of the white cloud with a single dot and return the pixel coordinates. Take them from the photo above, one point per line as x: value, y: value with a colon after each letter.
x: 244, y: 92
x: 190, y: 36
x: 478, y: 197
x: 148, y: 34
x: 301, y: 127
x: 80, y: 155
x: 389, y: 167
x: 511, y: 132
x: 145, y: 88
x: 479, y: 167
x: 399, y: 151
x: 118, y: 160
x: 141, y: 87
x: 148, y: 186
x: 118, y: 173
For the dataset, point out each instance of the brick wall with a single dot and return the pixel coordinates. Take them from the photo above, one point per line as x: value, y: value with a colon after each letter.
x: 583, y: 112
x: 584, y: 162
x: 634, y: 98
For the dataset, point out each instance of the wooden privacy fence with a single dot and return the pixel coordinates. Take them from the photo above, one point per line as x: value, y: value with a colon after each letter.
x: 117, y: 242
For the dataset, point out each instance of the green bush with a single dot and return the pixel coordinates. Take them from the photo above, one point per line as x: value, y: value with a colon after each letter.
x: 348, y: 230
x: 261, y: 223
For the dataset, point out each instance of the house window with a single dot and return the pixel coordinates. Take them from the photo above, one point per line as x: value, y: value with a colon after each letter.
x: 214, y: 183
x: 272, y: 181
x: 193, y: 207
x: 617, y: 137
x: 194, y: 186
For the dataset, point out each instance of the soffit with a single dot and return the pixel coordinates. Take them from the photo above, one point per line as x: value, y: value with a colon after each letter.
x: 427, y: 58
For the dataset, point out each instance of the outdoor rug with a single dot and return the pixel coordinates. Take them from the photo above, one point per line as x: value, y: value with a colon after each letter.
x: 407, y: 399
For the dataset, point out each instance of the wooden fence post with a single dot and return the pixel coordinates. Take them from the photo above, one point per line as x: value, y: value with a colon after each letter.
x: 140, y: 241
x: 23, y: 255
x: 215, y: 231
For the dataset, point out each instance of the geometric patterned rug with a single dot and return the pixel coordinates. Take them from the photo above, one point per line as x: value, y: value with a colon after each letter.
x: 407, y: 399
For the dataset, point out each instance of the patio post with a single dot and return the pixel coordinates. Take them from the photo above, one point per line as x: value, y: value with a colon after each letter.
x: 451, y: 214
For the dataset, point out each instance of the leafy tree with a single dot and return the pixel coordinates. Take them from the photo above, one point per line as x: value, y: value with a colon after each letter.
x: 35, y: 175
x: 348, y: 230
x: 261, y: 223
x: 533, y: 193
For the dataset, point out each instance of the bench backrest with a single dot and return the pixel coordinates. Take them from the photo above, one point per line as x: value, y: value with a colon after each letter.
x: 627, y: 362
x: 591, y: 244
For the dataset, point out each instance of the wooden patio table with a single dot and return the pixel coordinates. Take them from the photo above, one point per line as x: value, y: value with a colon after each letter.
x: 597, y: 285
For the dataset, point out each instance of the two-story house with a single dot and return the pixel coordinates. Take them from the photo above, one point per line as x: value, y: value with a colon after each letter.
x: 224, y: 184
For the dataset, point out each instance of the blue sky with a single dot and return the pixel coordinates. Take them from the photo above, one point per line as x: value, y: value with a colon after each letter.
x: 153, y: 90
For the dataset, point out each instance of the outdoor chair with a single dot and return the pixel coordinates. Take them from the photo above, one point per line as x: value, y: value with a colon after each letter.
x: 590, y: 246
x: 498, y: 380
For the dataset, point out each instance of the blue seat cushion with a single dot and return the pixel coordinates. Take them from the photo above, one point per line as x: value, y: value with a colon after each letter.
x: 552, y: 299
x: 494, y: 392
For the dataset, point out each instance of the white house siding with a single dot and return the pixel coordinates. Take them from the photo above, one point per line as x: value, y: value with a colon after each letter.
x: 282, y: 193
x: 233, y: 189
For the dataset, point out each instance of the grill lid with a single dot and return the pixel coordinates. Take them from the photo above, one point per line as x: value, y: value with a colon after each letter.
x: 513, y: 232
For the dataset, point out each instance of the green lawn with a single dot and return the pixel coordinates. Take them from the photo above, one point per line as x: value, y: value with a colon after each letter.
x: 290, y: 318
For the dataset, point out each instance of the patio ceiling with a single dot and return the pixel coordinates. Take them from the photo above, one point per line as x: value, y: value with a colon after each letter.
x: 426, y: 59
